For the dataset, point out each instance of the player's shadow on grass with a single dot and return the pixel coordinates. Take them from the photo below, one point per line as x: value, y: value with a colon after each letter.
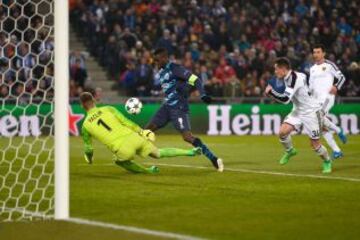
x: 122, y: 175
x: 346, y: 167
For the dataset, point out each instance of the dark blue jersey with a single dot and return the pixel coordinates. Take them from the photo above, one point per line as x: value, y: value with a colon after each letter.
x: 175, y: 81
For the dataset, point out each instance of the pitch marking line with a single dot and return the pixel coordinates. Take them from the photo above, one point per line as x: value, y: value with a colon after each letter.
x: 243, y: 170
x: 263, y: 172
x: 105, y: 225
x: 133, y: 229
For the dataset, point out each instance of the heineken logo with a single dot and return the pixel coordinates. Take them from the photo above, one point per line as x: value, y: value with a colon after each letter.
x: 222, y: 121
x: 24, y: 126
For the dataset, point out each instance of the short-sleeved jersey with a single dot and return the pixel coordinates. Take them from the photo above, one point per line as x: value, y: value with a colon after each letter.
x: 175, y: 80
x: 107, y: 125
x: 322, y: 77
x: 297, y: 91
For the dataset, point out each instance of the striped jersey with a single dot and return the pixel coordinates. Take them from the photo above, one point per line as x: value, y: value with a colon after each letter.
x: 175, y: 81
x: 297, y: 92
x: 322, y: 77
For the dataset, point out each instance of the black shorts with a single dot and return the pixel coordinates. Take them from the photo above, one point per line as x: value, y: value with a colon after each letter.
x: 179, y: 118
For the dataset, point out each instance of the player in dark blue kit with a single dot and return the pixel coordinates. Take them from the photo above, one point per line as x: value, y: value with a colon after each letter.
x: 175, y: 82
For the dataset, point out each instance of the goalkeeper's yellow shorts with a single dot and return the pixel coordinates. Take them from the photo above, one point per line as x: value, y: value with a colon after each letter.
x: 134, y: 145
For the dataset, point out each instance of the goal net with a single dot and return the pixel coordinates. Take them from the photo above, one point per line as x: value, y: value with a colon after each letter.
x: 26, y: 110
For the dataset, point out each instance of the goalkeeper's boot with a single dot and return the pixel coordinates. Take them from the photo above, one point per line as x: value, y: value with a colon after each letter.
x: 342, y: 136
x: 153, y: 169
x: 327, y: 167
x: 337, y: 155
x: 288, y: 154
x: 196, y: 151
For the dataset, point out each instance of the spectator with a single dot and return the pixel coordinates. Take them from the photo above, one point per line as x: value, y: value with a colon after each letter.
x: 143, y: 78
x: 78, y: 74
x: 199, y: 33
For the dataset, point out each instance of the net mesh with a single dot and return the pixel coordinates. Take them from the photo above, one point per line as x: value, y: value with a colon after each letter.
x: 26, y: 115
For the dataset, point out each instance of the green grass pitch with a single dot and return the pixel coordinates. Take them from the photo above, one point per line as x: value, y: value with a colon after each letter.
x: 193, y: 199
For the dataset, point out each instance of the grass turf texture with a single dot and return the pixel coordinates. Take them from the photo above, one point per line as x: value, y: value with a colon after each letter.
x: 229, y: 205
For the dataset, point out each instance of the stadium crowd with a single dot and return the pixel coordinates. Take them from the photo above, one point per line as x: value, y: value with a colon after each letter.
x: 26, y: 54
x: 230, y: 44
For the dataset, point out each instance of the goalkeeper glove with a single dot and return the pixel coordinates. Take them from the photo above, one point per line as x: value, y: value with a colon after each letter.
x: 206, y: 99
x: 148, y: 134
x: 89, y: 157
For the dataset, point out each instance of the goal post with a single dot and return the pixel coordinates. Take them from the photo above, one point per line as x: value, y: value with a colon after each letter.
x: 34, y: 108
x: 61, y: 13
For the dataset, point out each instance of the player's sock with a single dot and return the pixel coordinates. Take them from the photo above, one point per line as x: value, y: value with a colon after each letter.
x: 175, y: 152
x: 323, y: 153
x: 287, y: 143
x: 331, y: 126
x: 329, y: 137
x: 206, y: 151
x: 327, y: 163
x: 132, y: 166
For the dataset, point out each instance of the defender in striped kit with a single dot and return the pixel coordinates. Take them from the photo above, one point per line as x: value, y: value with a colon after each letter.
x: 324, y: 82
x: 306, y: 112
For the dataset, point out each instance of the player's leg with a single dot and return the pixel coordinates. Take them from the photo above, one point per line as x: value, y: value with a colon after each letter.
x: 332, y: 127
x: 197, y: 142
x: 329, y: 138
x: 313, y: 126
x: 159, y: 120
x: 323, y: 153
x: 134, y: 167
x: 286, y: 128
x: 181, y: 122
x: 124, y: 156
x: 175, y: 152
x: 155, y: 152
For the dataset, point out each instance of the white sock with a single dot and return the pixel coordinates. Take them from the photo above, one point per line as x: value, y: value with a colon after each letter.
x: 331, y: 126
x: 323, y: 153
x: 286, y: 142
x: 329, y: 137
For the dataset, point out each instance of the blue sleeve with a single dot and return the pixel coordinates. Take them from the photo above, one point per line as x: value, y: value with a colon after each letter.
x: 182, y: 73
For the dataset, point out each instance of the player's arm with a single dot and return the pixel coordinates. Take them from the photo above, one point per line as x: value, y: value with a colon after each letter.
x: 285, y: 97
x: 339, y: 77
x: 88, y: 148
x: 193, y: 80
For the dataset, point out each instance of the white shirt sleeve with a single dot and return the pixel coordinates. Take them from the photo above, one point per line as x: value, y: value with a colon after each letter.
x: 339, y: 77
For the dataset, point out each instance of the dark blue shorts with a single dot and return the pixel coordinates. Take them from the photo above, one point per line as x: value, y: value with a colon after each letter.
x: 179, y: 118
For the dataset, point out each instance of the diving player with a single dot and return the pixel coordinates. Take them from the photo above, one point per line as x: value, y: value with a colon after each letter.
x: 122, y: 137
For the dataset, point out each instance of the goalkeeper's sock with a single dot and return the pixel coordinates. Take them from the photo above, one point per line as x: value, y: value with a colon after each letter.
x: 205, y: 150
x: 175, y: 152
x: 132, y: 166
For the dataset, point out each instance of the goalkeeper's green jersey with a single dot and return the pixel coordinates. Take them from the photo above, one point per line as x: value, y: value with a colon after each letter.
x: 107, y: 125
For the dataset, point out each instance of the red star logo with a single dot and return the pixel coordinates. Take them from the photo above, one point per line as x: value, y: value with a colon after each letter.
x: 73, y: 120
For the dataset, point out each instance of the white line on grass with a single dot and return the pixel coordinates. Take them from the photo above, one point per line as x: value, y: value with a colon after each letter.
x: 27, y: 213
x: 105, y: 225
x: 133, y: 229
x: 264, y: 172
x: 242, y: 170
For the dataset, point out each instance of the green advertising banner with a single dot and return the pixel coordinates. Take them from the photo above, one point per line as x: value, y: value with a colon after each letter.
x: 235, y: 119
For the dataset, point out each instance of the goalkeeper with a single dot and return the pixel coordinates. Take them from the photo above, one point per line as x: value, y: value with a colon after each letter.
x: 123, y: 137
